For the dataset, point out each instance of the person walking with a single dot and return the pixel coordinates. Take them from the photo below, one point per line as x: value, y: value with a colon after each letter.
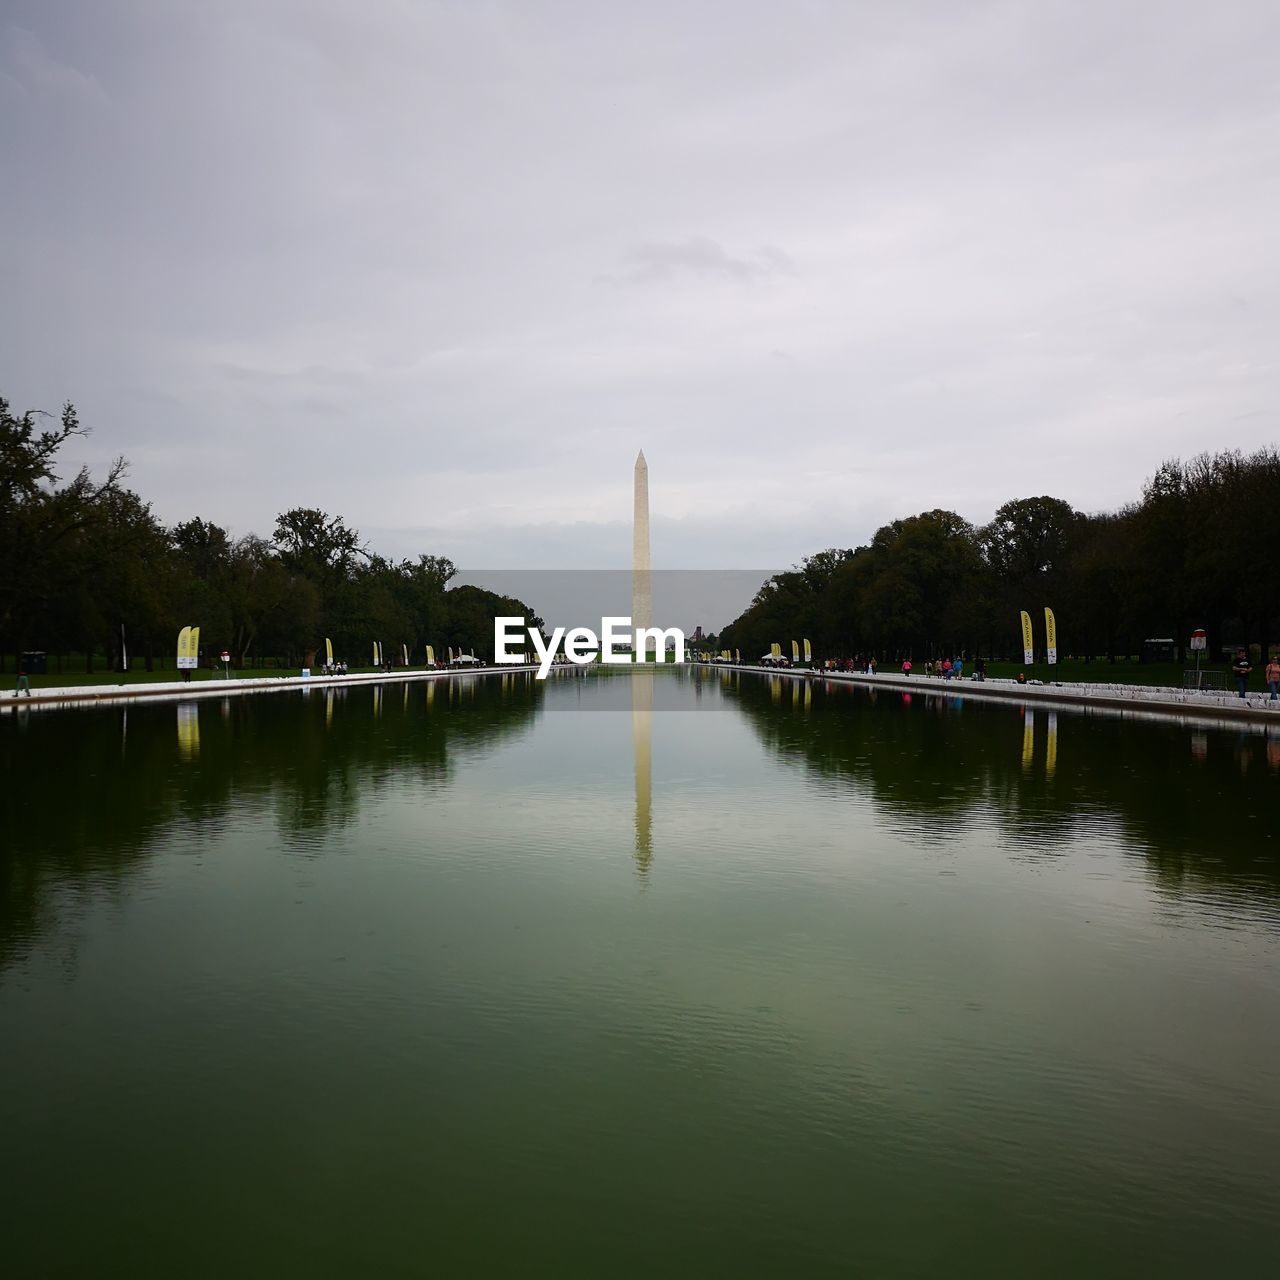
x: 946, y: 668
x: 1240, y: 669
x: 980, y: 669
x: 906, y: 666
x: 1272, y: 675
x: 957, y: 669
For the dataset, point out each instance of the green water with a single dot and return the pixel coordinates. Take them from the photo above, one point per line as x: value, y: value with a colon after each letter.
x: 687, y: 975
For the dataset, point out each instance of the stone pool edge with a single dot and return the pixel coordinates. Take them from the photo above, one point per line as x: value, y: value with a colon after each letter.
x: 99, y: 695
x: 1144, y: 699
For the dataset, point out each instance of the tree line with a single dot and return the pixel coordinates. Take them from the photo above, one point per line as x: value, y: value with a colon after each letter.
x: 1194, y: 551
x: 87, y: 568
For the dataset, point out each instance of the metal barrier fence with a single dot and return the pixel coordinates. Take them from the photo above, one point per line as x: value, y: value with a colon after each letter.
x: 1205, y: 681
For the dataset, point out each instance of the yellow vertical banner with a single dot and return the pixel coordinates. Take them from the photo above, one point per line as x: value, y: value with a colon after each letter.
x: 404, y: 653
x: 451, y: 653
x: 775, y: 650
x: 737, y: 655
x: 1028, y: 640
x: 188, y: 648
x: 795, y: 651
x: 431, y: 655
x: 1050, y: 635
x: 328, y: 652
x: 377, y: 657
x: 808, y: 652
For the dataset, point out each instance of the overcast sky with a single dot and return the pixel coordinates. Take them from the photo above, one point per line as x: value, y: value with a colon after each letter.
x: 443, y: 268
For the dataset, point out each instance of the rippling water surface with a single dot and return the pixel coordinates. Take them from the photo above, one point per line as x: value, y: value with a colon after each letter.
x: 682, y: 974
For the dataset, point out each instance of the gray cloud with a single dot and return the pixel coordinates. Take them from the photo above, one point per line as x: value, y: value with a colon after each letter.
x: 702, y: 256
x: 879, y: 259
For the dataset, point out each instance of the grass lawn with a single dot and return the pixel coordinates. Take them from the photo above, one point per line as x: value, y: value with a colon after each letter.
x: 1100, y: 671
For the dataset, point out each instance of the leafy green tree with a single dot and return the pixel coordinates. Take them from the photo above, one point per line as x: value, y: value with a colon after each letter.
x: 47, y: 529
x: 317, y: 545
x: 205, y: 548
x: 134, y: 576
x: 272, y: 608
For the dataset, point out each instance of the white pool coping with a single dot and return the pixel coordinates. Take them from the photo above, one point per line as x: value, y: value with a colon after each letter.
x: 1124, y: 698
x: 174, y: 690
x: 1145, y: 700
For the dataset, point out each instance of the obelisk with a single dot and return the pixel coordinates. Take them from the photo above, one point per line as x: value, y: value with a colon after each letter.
x: 642, y: 681
x: 641, y: 587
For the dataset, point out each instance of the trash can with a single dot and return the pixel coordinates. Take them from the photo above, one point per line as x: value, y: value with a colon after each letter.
x: 35, y: 663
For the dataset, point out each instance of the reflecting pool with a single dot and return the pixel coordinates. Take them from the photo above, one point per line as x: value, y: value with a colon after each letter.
x: 682, y: 973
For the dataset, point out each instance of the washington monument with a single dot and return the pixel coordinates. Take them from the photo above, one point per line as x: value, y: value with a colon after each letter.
x: 642, y: 681
x: 641, y: 586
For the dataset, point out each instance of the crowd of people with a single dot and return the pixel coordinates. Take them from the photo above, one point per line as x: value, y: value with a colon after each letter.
x: 943, y: 669
x: 949, y: 668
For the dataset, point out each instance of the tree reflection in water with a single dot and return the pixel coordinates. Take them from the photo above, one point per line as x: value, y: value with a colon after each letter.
x: 97, y: 788
x: 1200, y: 804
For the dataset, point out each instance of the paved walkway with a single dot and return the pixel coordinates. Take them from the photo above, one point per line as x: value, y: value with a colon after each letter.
x: 1122, y: 698
x: 176, y: 690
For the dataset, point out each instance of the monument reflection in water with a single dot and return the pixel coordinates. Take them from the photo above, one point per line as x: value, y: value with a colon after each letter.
x: 642, y: 750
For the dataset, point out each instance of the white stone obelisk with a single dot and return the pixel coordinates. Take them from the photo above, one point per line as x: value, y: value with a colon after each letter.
x: 642, y: 681
x: 641, y: 586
